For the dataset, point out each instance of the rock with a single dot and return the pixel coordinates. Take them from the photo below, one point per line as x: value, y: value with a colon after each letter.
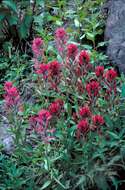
x: 115, y: 33
x: 6, y: 139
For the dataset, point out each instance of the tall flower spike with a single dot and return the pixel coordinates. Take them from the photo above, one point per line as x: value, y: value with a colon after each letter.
x: 61, y: 38
x: 8, y: 85
x: 83, y: 126
x: 40, y: 125
x: 43, y: 70
x: 11, y: 96
x: 36, y: 46
x: 83, y: 58
x: 110, y: 75
x: 44, y: 117
x: 54, y: 74
x: 97, y: 120
x: 60, y: 33
x: 72, y: 51
x: 54, y: 68
x: 84, y: 112
x: 99, y: 71
x: 56, y: 107
x: 93, y: 88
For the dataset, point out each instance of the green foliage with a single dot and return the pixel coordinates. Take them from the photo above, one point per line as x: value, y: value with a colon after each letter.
x: 96, y: 161
x: 16, y: 19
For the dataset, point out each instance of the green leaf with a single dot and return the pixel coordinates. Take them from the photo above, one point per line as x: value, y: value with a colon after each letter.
x: 68, y: 108
x: 123, y: 91
x: 123, y: 152
x: 82, y: 180
x: 83, y: 36
x: 11, y: 4
x: 88, y: 47
x: 101, y: 44
x: 77, y: 23
x: 12, y: 20
x: 90, y: 36
x: 46, y: 184
x: 113, y: 135
x: 108, y: 121
x: 24, y: 27
x: 102, y: 102
x: 114, y: 160
x: 57, y: 181
x: 2, y: 15
x: 101, y: 182
x: 59, y: 23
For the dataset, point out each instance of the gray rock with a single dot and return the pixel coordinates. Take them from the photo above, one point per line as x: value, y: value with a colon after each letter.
x: 6, y: 139
x: 115, y: 33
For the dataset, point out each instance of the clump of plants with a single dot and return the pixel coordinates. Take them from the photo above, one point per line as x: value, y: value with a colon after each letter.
x: 73, y: 140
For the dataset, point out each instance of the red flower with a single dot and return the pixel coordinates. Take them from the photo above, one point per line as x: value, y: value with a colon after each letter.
x: 83, y: 58
x: 93, y: 88
x: 56, y: 107
x: 12, y: 95
x: 44, y: 115
x: 54, y: 68
x: 84, y: 111
x: 37, y: 43
x: 13, y: 92
x: 61, y: 38
x: 7, y: 85
x: 60, y: 33
x: 99, y: 70
x: 83, y: 126
x: 72, y: 50
x: 40, y: 125
x: 40, y: 122
x: 97, y: 120
x: 43, y: 69
x: 110, y: 75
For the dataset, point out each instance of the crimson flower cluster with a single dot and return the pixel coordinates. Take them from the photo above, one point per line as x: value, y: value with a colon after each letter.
x: 50, y: 72
x: 97, y: 120
x: 37, y: 46
x: 110, y: 75
x: 54, y: 70
x: 85, y: 112
x: 40, y: 122
x: 56, y: 107
x: 93, y: 88
x: 61, y: 38
x: 83, y: 65
x: 83, y: 58
x: 99, y: 71
x: 72, y: 51
x: 110, y: 81
x: 11, y: 95
x: 42, y: 69
x: 83, y: 126
x: 88, y: 121
x: 77, y: 66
